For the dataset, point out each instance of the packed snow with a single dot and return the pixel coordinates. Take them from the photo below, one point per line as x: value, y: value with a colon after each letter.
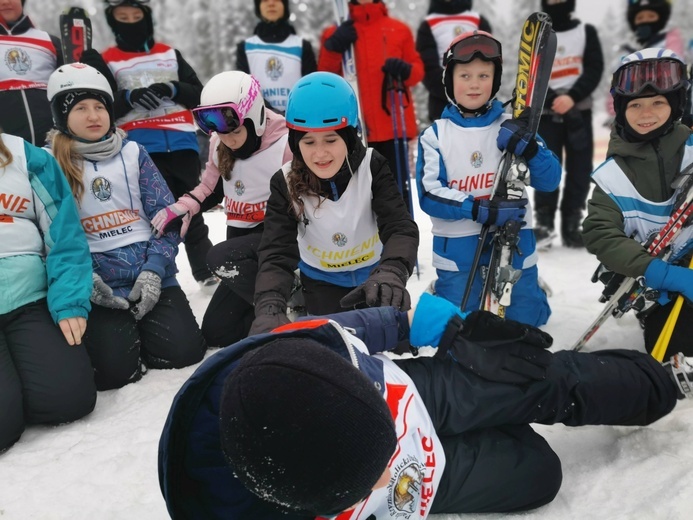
x: 105, y: 465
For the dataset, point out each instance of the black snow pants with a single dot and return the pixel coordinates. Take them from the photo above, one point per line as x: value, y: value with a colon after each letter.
x: 495, y: 462
x: 43, y: 380
x: 181, y: 171
x: 230, y: 312
x: 166, y: 337
x: 571, y: 139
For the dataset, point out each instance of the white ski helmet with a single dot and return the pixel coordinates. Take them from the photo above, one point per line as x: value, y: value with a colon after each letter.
x: 73, y: 82
x: 656, y: 70
x: 237, y: 88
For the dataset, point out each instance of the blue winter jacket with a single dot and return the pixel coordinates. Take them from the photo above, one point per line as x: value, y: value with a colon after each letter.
x: 195, y: 479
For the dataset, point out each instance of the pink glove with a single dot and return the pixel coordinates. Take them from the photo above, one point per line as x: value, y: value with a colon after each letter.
x: 168, y: 215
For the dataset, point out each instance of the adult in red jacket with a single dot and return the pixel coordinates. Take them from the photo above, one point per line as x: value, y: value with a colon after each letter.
x: 381, y: 45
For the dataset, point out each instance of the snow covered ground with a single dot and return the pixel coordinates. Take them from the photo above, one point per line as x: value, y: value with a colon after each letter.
x: 105, y: 465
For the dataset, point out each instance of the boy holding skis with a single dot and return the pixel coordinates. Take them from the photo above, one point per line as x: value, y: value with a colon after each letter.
x: 458, y: 159
x: 635, y: 190
x: 314, y: 420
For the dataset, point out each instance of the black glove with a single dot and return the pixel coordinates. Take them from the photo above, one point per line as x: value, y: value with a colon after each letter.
x: 498, y: 211
x: 397, y: 68
x: 342, y: 38
x: 163, y: 90
x: 495, y: 349
x: 386, y: 286
x: 145, y: 98
x: 515, y: 137
x: 270, y: 313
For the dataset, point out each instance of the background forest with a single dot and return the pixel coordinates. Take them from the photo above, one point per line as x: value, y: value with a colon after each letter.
x: 207, y: 31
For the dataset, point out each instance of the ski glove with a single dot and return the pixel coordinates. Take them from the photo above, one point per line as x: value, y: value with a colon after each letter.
x: 386, y: 286
x: 270, y: 313
x: 102, y: 294
x: 163, y: 90
x: 674, y: 278
x: 167, y: 216
x: 145, y: 293
x: 144, y: 98
x: 431, y: 317
x: 397, y: 68
x: 342, y: 38
x: 515, y: 137
x: 504, y: 351
x: 499, y: 211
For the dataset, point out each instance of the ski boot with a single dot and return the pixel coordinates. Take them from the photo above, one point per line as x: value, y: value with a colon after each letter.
x: 681, y: 371
x: 543, y: 229
x: 571, y: 230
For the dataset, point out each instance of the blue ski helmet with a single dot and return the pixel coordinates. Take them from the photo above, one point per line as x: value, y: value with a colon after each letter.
x: 321, y: 101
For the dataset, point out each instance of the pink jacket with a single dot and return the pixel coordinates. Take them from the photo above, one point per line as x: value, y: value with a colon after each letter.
x: 274, y: 130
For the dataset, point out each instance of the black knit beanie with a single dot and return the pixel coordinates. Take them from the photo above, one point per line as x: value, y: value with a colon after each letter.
x: 286, y: 10
x: 449, y: 6
x: 303, y: 428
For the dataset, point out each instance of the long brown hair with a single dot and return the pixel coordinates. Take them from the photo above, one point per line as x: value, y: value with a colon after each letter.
x: 226, y: 161
x: 70, y: 161
x: 5, y: 154
x: 302, y: 183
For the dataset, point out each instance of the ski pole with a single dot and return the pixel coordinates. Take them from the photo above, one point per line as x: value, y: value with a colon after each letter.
x: 667, y: 331
x: 399, y: 86
x: 390, y: 87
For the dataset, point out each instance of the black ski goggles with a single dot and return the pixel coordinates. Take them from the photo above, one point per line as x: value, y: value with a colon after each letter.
x: 222, y: 119
x: 661, y: 75
x: 477, y: 45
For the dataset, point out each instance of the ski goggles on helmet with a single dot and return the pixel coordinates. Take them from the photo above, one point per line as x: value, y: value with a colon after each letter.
x: 222, y: 119
x: 476, y: 45
x: 660, y: 75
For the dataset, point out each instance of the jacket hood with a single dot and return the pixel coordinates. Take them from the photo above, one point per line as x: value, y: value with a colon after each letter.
x: 642, y: 150
x: 274, y: 130
x: 367, y: 12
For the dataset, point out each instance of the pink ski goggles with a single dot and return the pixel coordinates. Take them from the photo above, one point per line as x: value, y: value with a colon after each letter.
x: 224, y: 118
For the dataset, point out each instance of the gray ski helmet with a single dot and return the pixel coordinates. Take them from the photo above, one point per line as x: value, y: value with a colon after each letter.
x: 661, y: 7
x: 465, y: 48
x: 71, y: 83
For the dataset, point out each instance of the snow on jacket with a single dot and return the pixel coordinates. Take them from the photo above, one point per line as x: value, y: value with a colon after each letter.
x: 120, y: 266
x: 275, y: 130
x: 379, y: 37
x: 198, y: 483
x: 43, y: 251
x: 650, y: 167
x: 279, y: 255
x: 29, y: 57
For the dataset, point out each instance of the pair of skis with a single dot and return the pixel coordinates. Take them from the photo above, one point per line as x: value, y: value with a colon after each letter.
x: 75, y: 34
x: 535, y: 60
x: 631, y: 291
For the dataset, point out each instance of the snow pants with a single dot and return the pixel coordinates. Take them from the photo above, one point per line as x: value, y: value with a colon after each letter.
x: 495, y: 461
x: 43, y: 380
x: 529, y: 302
x: 230, y: 312
x: 571, y: 139
x: 181, y: 171
x: 166, y: 337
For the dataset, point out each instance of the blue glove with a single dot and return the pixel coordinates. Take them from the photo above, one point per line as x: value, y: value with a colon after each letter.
x: 144, y: 98
x: 342, y: 38
x: 674, y: 278
x: 430, y: 319
x: 397, y: 68
x: 499, y: 211
x: 514, y: 136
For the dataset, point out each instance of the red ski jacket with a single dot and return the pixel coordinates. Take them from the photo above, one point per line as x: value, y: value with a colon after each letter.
x: 379, y: 37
